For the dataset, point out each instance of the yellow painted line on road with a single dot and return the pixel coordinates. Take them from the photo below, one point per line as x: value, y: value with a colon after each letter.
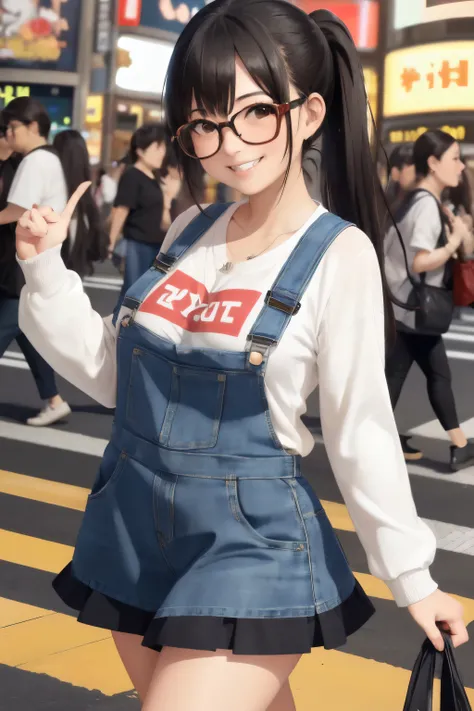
x: 13, y: 612
x: 48, y: 492
x: 34, y: 552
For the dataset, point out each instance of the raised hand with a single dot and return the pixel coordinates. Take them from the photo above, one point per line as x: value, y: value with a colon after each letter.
x: 41, y: 228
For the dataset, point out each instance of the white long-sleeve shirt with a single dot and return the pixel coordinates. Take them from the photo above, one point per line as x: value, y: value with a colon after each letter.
x: 335, y: 341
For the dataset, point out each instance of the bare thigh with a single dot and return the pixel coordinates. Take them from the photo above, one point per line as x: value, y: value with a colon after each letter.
x: 140, y: 662
x: 191, y: 680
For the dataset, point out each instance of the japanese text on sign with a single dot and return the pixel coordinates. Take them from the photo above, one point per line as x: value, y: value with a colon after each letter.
x: 430, y: 78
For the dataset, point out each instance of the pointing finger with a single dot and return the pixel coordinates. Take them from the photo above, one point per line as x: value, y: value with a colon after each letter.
x: 73, y: 200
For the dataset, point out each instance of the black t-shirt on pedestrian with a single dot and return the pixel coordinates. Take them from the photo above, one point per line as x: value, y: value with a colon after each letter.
x: 144, y: 197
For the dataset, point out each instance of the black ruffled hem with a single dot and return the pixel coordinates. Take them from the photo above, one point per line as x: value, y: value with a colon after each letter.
x: 294, y: 635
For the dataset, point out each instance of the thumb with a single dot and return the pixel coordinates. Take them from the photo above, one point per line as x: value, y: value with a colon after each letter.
x: 436, y: 638
x: 68, y: 211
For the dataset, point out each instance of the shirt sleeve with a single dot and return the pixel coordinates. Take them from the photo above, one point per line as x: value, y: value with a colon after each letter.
x: 360, y: 433
x: 57, y: 317
x: 426, y: 224
x: 128, y: 191
x: 28, y: 187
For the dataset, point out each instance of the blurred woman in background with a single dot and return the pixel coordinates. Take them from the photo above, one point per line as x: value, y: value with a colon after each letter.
x: 87, y: 241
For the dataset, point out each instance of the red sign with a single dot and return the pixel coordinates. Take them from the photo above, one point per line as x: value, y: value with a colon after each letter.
x: 360, y: 16
x: 187, y: 303
x: 129, y: 13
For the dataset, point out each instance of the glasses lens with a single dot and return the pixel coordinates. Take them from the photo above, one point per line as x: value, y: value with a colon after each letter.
x: 257, y: 123
x: 200, y: 139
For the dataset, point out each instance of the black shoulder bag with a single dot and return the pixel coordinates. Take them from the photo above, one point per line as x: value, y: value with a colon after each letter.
x: 433, y: 305
x: 420, y: 689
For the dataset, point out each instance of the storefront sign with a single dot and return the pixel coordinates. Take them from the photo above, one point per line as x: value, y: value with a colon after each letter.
x: 360, y: 16
x: 103, y: 26
x: 429, y: 78
x: 57, y: 101
x: 137, y: 55
x: 170, y: 15
x: 40, y: 34
x: 416, y: 12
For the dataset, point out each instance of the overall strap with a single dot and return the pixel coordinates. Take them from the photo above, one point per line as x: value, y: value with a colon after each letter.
x: 166, y: 261
x: 283, y: 300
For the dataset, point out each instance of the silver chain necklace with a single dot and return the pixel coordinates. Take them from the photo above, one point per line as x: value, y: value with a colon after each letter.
x: 228, y: 266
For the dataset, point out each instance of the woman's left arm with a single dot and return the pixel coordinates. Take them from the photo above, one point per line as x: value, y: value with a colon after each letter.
x: 359, y: 428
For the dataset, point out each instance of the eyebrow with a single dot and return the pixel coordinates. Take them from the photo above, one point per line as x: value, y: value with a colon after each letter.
x: 202, y: 110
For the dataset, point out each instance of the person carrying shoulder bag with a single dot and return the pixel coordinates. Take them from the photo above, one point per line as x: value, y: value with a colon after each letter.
x: 419, y: 256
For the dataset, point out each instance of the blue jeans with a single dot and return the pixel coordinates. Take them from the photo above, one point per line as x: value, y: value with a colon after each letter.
x: 139, y: 257
x: 10, y: 331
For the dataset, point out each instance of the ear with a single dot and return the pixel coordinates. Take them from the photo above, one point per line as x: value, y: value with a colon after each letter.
x: 432, y: 163
x: 315, y: 114
x: 33, y: 127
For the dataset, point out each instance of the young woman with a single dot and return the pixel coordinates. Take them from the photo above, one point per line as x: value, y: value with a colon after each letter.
x: 87, y: 242
x: 202, y: 547
x: 438, y: 166
x: 139, y: 213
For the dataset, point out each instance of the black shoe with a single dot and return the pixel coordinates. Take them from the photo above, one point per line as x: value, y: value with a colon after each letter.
x: 411, y: 454
x: 462, y: 457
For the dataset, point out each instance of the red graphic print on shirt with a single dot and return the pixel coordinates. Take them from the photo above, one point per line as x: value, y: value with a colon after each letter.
x: 187, y: 303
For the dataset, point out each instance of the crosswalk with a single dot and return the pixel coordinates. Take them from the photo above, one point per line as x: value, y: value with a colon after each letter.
x: 49, y: 661
x: 42, y: 643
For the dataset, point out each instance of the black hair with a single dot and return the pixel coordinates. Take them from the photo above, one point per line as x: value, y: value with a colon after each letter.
x: 143, y: 138
x: 28, y: 110
x: 401, y: 156
x: 430, y: 143
x: 90, y: 244
x: 278, y: 43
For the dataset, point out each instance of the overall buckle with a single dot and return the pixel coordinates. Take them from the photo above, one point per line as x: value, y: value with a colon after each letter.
x: 280, y: 305
x: 163, y: 263
x: 259, y: 347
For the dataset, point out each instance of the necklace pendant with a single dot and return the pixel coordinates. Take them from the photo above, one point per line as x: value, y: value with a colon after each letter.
x: 226, y: 267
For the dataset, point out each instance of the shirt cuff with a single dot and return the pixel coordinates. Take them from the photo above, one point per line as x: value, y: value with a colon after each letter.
x: 44, y: 272
x: 412, y: 587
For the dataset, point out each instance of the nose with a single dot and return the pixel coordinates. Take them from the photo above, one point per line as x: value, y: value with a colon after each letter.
x: 231, y: 142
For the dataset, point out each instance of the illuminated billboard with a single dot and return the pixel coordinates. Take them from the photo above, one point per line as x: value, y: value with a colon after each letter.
x: 417, y: 12
x: 136, y: 56
x: 360, y: 16
x: 429, y: 78
x: 169, y: 15
x: 39, y: 35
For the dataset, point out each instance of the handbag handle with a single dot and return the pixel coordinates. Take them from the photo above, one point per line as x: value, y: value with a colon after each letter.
x: 420, y: 689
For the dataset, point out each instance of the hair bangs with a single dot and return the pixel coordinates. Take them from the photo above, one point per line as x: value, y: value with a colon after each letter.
x: 206, y: 72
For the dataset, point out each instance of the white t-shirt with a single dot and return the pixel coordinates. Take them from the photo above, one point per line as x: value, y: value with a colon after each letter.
x: 39, y: 179
x: 336, y: 340
x: 420, y: 229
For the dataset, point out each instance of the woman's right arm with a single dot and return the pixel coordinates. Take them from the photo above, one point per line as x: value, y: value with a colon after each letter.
x: 119, y: 215
x: 430, y: 260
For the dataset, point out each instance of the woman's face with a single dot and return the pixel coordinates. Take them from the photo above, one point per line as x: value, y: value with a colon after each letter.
x: 448, y: 169
x: 154, y: 155
x: 250, y: 169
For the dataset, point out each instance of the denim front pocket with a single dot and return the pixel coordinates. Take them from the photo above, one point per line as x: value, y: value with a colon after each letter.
x: 148, y: 393
x: 194, y: 410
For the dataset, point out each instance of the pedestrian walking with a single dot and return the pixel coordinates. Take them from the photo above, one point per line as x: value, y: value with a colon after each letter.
x: 39, y: 179
x: 401, y: 175
x: 140, y: 214
x: 425, y: 241
x: 202, y: 546
x: 87, y: 241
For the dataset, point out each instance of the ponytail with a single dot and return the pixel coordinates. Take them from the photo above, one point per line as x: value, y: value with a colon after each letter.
x: 350, y: 184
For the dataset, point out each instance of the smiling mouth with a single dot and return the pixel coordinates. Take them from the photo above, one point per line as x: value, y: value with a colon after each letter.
x: 244, y: 167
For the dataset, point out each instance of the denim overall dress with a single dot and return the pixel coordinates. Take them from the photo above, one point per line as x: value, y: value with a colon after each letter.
x: 197, y: 509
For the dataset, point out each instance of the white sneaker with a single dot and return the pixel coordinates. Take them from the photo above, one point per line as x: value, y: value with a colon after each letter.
x: 49, y: 415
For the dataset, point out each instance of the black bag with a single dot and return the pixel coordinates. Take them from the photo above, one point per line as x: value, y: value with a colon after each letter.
x: 433, y: 305
x: 420, y: 689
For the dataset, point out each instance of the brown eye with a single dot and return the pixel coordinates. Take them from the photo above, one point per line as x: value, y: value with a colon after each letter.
x: 260, y: 111
x: 204, y: 128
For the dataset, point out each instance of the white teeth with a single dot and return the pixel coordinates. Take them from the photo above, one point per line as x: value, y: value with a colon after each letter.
x: 245, y: 166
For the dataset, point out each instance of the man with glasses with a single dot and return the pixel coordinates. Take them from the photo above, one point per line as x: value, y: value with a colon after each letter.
x: 39, y: 180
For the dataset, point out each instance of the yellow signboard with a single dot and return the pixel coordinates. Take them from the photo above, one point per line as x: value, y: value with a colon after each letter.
x: 410, y: 135
x: 429, y: 78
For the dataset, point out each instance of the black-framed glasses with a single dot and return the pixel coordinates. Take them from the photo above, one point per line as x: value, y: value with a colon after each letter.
x: 255, y: 125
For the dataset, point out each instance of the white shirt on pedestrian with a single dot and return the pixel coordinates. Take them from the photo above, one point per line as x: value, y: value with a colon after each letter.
x: 39, y: 180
